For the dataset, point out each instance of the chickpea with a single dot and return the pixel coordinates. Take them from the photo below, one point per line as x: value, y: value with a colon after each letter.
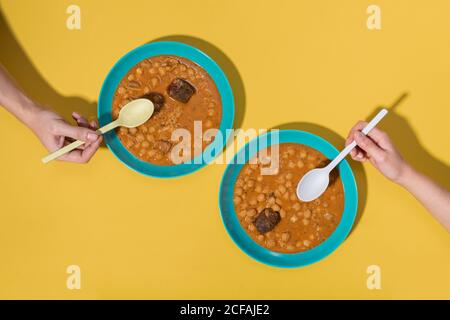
x: 208, y: 123
x: 294, y: 219
x: 307, y: 213
x: 306, y: 243
x: 270, y: 243
x: 139, y: 71
x: 242, y: 213
x: 271, y: 200
x: 260, y: 237
x: 296, y: 206
x: 300, y: 164
x: 145, y: 144
x: 298, y: 244
x: 282, y: 188
x: 303, y: 154
x: 293, y: 197
x: 328, y: 216
x: 305, y: 222
x: 291, y: 164
x: 151, y: 153
x: 285, y: 236
x: 251, y: 227
x: 288, y: 184
x: 325, y: 204
x: 261, y: 197
x: 282, y: 213
x: 237, y: 200
x: 253, y: 202
x: 259, y: 178
x: 332, y: 198
x: 276, y: 207
x: 278, y: 201
x: 132, y: 130
x: 250, y: 183
x: 258, y: 188
x: 140, y: 137
x: 248, y: 219
x: 289, y: 176
x: 238, y: 191
x: 251, y: 212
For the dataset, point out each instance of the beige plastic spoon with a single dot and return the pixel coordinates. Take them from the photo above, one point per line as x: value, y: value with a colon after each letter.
x: 133, y: 114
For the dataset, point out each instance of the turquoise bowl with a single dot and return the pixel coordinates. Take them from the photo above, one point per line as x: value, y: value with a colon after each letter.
x: 239, y: 235
x: 121, y: 68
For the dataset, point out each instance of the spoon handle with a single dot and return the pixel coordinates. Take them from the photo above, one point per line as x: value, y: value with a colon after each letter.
x: 77, y: 143
x: 372, y: 124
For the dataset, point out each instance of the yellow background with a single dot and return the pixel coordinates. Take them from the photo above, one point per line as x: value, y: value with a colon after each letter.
x: 298, y: 61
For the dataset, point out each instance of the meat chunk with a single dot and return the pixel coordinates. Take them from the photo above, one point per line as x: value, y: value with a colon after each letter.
x: 157, y: 99
x: 180, y: 90
x: 266, y: 220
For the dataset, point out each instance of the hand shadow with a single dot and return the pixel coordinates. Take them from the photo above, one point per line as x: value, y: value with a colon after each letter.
x: 402, y: 134
x: 339, y: 142
x: 20, y: 67
x: 225, y: 64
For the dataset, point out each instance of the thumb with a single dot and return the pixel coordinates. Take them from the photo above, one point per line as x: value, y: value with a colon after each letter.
x: 79, y: 133
x: 370, y: 147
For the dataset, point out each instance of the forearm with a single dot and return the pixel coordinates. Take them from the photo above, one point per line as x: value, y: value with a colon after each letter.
x: 14, y: 100
x: 433, y: 196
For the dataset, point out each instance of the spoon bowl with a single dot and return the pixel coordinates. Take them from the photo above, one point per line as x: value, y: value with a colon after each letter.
x: 313, y: 184
x: 136, y: 113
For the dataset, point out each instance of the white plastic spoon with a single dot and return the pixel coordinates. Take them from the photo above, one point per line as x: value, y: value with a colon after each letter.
x: 132, y: 115
x: 316, y: 181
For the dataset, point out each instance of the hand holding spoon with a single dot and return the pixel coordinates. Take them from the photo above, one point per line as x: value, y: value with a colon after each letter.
x: 133, y: 114
x: 316, y: 181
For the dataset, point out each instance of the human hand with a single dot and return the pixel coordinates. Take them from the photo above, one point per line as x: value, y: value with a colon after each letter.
x: 54, y: 133
x: 378, y: 148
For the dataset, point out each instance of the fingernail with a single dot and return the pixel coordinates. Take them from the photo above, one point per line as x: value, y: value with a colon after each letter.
x: 92, y: 137
x: 359, y: 155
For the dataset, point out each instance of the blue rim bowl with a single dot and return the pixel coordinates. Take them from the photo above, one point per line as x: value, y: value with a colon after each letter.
x: 240, y: 236
x: 121, y: 68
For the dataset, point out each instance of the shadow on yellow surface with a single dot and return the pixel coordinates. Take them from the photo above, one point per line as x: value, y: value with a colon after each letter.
x: 407, y: 142
x: 225, y: 64
x: 20, y: 67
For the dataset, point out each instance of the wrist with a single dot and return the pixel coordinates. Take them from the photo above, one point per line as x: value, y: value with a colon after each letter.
x: 406, y: 176
x: 29, y: 112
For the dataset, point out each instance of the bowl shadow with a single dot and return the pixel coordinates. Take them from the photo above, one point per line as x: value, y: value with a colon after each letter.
x: 225, y: 63
x: 18, y: 64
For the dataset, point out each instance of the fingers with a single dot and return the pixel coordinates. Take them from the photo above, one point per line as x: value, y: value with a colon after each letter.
x: 369, y: 146
x: 377, y: 135
x: 79, y: 133
x: 82, y: 156
x: 82, y: 122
